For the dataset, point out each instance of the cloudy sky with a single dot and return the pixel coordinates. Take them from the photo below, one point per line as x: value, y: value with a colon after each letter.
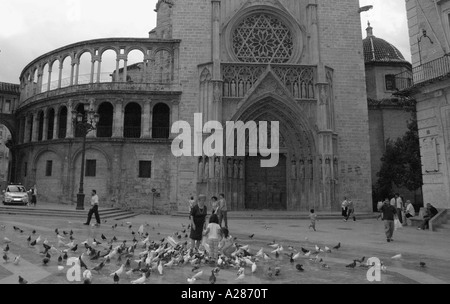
x: 30, y: 28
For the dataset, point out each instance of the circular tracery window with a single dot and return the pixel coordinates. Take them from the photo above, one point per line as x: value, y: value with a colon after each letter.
x: 263, y: 38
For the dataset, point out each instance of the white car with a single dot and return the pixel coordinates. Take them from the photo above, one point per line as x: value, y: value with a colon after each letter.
x: 15, y: 194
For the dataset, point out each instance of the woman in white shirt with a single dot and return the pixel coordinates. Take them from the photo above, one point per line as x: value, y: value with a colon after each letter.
x: 214, y: 233
x: 410, y: 211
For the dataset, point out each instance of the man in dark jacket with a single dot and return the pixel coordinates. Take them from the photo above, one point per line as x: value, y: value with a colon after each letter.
x: 389, y: 213
x: 430, y: 213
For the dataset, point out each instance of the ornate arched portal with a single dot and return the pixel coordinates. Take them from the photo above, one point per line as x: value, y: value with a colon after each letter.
x: 291, y: 185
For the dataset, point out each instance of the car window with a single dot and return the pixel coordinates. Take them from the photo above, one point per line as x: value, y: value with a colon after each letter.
x: 16, y: 189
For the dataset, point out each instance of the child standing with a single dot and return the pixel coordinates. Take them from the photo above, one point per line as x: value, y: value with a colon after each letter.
x: 214, y: 233
x: 313, y: 217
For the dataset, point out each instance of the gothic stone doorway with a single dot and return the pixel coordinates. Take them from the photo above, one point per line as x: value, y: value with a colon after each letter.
x: 265, y: 188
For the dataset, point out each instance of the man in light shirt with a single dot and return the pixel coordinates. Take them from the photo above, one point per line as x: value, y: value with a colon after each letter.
x: 223, y: 216
x: 410, y: 211
x: 397, y: 202
x: 94, y: 209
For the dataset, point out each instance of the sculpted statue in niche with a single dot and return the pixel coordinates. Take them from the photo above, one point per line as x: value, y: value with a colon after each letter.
x: 321, y: 168
x: 236, y: 169
x: 311, y: 168
x: 217, y: 168
x: 200, y: 168
x: 241, y: 169
x: 328, y: 169
x: 230, y: 168
x: 294, y: 169
x: 206, y: 176
x: 336, y: 168
x: 302, y: 169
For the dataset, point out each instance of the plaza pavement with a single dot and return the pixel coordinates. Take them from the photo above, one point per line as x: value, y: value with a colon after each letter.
x: 358, y: 239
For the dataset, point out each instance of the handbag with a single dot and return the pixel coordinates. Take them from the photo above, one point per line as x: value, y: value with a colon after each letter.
x: 397, y: 224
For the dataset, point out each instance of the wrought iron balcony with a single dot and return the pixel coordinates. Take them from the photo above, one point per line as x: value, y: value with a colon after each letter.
x: 430, y: 71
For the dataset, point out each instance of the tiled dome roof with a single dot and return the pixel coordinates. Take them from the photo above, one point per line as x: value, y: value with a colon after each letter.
x: 379, y: 50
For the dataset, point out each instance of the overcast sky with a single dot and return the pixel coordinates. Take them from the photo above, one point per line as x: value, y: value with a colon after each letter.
x: 30, y: 28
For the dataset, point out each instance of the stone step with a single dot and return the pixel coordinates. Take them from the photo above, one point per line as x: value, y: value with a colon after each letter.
x: 285, y: 215
x: 109, y: 213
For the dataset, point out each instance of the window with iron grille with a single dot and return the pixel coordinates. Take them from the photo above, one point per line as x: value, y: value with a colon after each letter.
x: 390, y: 82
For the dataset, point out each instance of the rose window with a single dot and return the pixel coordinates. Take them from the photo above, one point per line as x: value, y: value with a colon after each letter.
x: 263, y: 38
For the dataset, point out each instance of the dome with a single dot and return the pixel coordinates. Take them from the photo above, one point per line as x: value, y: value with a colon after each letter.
x: 379, y: 50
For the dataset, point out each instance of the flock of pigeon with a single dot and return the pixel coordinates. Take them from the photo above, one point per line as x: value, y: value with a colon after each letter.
x: 142, y: 257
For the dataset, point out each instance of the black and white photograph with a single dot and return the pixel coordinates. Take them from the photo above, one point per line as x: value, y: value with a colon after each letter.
x: 229, y: 149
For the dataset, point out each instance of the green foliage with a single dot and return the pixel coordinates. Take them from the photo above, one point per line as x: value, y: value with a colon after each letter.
x: 401, y: 164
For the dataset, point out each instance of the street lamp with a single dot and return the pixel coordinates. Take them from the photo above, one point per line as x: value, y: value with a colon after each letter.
x: 84, y: 123
x: 419, y: 40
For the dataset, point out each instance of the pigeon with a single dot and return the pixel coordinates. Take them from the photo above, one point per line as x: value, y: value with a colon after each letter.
x: 361, y: 261
x: 212, y: 278
x: 277, y: 271
x: 87, y: 275
x: 60, y: 268
x: 6, y: 240
x: 252, y: 236
x: 304, y: 250
x: 191, y: 280
x: 82, y: 264
x: 99, y: 267
x: 16, y: 260
x: 45, y: 261
x: 352, y: 265
x: 241, y: 277
x: 22, y: 281
x: 296, y: 257
x: 423, y: 265
x: 327, y: 250
x: 254, y: 267
x: 5, y: 258
x: 6, y: 249
x: 141, y: 280
x: 337, y: 247
x: 116, y: 279
x: 299, y: 267
x: 397, y: 257
x: 160, y: 268
x: 119, y: 271
x: 74, y: 249
x: 104, y: 237
x: 198, y: 275
x: 274, y: 245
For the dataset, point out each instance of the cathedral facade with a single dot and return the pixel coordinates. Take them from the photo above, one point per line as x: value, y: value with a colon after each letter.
x: 297, y: 62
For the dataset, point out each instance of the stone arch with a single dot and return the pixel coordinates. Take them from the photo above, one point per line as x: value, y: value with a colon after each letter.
x: 101, y: 181
x: 105, y: 124
x: 47, y: 173
x: 161, y: 121
x: 132, y: 120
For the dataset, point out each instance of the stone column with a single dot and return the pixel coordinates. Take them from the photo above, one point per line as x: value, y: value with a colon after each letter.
x: 116, y: 78
x: 40, y: 79
x: 313, y: 27
x: 92, y: 134
x: 146, y: 119
x: 45, y: 129
x: 118, y: 119
x: 174, y: 116
x: 35, y: 129
x: 61, y: 66
x: 77, y: 72
x: 125, y: 69
x: 72, y: 71
x: 56, y: 125
x: 50, y: 68
x: 69, y: 125
x: 92, y: 71
x: 99, y: 70
x: 26, y: 132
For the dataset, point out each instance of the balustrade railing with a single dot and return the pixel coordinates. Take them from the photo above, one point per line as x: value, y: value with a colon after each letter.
x: 429, y: 71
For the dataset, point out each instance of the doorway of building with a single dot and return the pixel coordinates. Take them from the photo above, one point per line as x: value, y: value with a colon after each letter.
x: 265, y: 188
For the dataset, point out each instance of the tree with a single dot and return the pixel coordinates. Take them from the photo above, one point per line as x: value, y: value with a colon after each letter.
x: 401, y: 164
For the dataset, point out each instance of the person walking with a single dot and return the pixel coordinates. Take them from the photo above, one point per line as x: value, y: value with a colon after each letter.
x: 94, y: 209
x: 344, y: 207
x: 33, y: 192
x: 389, y: 213
x: 397, y: 202
x: 223, y: 216
x: 198, y: 219
x: 410, y: 211
x: 215, y: 205
x: 351, y: 211
x: 313, y: 218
